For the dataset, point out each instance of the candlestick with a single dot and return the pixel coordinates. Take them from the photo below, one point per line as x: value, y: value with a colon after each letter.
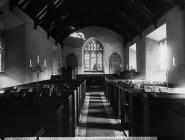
x: 38, y: 69
x: 130, y: 67
x: 127, y: 66
x: 44, y: 62
x: 173, y: 61
x: 30, y: 63
x: 170, y: 67
x: 38, y: 59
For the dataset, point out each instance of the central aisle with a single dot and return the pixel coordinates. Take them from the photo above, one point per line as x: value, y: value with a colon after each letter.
x: 96, y: 119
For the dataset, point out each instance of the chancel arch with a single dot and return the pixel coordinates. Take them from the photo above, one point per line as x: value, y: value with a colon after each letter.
x: 114, y: 62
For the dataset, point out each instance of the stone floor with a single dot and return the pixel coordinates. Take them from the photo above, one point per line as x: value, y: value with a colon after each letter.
x: 96, y: 119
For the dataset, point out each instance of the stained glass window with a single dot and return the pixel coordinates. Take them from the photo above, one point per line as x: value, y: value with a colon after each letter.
x: 93, y: 55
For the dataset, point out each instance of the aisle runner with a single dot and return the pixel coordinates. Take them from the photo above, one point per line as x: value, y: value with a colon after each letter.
x: 99, y: 122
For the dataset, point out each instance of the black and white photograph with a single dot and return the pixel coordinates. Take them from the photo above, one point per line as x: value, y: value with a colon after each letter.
x: 92, y: 69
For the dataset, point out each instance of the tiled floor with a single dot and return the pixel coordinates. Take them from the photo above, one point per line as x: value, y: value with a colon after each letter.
x: 96, y: 119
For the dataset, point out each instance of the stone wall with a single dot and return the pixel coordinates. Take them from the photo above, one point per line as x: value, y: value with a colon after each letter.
x: 22, y: 43
x: 111, y: 41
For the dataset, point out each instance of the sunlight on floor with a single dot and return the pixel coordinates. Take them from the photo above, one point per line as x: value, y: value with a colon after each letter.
x: 97, y: 119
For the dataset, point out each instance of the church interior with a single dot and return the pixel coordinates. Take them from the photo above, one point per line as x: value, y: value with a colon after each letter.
x: 93, y: 69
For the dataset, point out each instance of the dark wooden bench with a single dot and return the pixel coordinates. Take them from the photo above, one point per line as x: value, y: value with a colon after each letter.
x: 150, y: 112
x: 53, y: 111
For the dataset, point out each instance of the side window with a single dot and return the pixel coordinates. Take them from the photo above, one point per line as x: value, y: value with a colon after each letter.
x: 1, y: 54
x: 132, y: 58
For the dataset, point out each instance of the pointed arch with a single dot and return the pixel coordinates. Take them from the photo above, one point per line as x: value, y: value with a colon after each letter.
x: 72, y: 60
x: 114, y: 62
x: 92, y: 58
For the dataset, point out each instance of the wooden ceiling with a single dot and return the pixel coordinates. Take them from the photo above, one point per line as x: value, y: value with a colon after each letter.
x: 129, y: 18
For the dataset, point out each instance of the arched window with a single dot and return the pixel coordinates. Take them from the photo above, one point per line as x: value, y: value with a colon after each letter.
x: 93, y: 56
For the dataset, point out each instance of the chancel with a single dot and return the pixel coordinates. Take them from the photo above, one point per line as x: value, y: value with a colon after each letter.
x: 94, y: 69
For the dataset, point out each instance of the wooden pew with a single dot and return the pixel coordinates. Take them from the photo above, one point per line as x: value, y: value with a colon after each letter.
x: 55, y: 111
x: 164, y: 115
x: 150, y: 112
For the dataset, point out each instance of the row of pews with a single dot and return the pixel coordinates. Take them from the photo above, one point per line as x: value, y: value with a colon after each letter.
x: 147, y: 108
x: 49, y: 108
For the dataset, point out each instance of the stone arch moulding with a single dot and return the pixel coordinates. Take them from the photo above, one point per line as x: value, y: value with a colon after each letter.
x: 114, y: 63
x: 72, y: 60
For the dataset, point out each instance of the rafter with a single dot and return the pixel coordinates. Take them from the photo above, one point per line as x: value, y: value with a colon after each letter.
x: 13, y: 4
x: 139, y: 9
x: 127, y: 17
x: 124, y: 30
x: 181, y: 4
x: 131, y: 21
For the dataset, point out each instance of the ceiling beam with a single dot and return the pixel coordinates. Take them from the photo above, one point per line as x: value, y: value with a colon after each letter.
x: 12, y: 4
x: 181, y: 4
x: 126, y: 33
x: 24, y: 3
x: 54, y: 14
x: 127, y: 17
x: 135, y: 4
x: 131, y: 21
